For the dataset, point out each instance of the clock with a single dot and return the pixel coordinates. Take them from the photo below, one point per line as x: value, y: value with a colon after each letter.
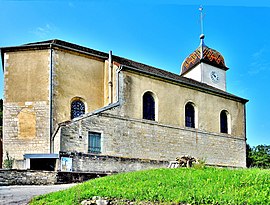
x: 214, y: 76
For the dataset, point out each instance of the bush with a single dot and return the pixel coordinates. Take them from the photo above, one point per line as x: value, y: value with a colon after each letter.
x: 258, y: 156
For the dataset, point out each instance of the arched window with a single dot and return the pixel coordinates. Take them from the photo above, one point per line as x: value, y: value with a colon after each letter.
x: 148, y: 106
x: 190, y: 115
x: 77, y: 108
x: 224, y: 121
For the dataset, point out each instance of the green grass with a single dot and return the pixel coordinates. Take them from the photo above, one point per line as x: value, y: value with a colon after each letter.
x: 193, y: 186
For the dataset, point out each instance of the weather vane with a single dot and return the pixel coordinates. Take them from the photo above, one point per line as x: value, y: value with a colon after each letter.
x: 201, y: 18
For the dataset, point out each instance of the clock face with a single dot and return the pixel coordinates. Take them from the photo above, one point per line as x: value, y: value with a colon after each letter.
x: 214, y: 76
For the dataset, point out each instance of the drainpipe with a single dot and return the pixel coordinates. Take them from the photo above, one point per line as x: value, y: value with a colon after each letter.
x: 50, y: 99
x: 110, y: 84
x: 59, y: 125
x: 118, y: 84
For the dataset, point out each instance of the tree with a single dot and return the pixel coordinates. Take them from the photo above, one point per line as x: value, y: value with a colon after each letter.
x: 258, y: 156
x: 248, y: 156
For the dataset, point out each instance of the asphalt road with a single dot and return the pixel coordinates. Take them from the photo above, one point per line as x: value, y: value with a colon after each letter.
x: 21, y: 195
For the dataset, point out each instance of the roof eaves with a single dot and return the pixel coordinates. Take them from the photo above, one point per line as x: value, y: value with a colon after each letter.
x: 197, y: 86
x: 216, y: 65
x: 79, y: 49
x: 26, y: 47
x: 56, y: 43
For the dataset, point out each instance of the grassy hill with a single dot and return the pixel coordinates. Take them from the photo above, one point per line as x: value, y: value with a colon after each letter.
x: 173, y: 186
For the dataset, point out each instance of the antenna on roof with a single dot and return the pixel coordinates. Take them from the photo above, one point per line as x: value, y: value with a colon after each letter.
x: 201, y: 21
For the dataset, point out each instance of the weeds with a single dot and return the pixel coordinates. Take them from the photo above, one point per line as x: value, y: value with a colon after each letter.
x: 8, y: 162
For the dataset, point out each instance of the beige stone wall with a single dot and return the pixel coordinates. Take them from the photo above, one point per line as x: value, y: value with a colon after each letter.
x: 124, y: 133
x: 27, y: 94
x: 135, y: 138
x: 76, y: 75
x: 171, y: 100
x: 26, y: 103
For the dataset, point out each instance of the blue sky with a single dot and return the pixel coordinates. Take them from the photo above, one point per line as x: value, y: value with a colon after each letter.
x: 160, y: 33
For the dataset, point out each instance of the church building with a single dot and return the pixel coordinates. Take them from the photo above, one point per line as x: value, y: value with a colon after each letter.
x: 59, y: 96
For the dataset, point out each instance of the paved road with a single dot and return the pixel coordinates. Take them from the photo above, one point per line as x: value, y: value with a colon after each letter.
x: 21, y: 195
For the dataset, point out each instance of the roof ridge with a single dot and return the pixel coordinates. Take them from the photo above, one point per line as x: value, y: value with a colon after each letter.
x: 130, y: 63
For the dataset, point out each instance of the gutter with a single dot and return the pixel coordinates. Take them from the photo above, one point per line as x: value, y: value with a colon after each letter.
x: 50, y: 45
x: 79, y: 51
x: 110, y: 84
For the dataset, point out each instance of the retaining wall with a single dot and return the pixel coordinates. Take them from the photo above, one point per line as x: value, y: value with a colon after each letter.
x: 27, y: 177
x: 110, y: 164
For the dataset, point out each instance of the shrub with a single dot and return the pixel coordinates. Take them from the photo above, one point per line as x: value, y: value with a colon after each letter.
x: 8, y: 162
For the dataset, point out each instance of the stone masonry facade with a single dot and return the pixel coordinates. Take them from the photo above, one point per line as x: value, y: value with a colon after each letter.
x: 31, y: 112
x: 27, y: 177
x: 90, y: 163
x: 145, y: 139
x: 26, y: 113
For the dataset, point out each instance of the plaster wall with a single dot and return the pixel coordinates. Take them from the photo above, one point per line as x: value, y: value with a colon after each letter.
x: 171, y: 100
x: 207, y: 69
x: 110, y: 83
x: 26, y: 103
x: 195, y: 73
x: 125, y: 134
x: 202, y: 73
x: 76, y: 76
x: 26, y: 76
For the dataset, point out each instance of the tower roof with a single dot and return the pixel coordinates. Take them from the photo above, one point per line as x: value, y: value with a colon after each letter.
x: 203, y: 54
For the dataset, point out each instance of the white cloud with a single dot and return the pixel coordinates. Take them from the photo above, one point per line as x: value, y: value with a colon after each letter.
x: 259, y: 62
x: 44, y: 31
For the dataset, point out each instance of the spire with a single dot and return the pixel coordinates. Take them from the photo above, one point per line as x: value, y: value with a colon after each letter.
x: 201, y: 25
x: 203, y: 54
x: 201, y: 20
x: 202, y: 35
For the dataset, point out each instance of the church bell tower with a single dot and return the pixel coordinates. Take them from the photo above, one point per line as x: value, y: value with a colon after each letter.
x: 205, y: 65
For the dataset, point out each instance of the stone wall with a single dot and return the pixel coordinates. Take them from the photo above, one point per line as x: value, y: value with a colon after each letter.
x: 144, y: 139
x: 26, y: 110
x: 27, y: 177
x: 110, y: 164
x: 34, y: 177
x: 20, y: 136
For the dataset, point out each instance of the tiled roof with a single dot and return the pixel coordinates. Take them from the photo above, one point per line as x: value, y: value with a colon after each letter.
x: 139, y: 67
x: 203, y: 54
x: 127, y: 64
